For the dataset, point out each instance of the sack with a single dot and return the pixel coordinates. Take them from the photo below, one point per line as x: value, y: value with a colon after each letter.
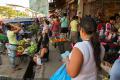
x: 61, y: 74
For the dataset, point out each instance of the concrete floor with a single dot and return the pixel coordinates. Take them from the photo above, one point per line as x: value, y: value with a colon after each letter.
x: 6, y: 70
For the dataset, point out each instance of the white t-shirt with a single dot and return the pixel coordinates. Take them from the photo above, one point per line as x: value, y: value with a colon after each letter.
x: 88, y: 70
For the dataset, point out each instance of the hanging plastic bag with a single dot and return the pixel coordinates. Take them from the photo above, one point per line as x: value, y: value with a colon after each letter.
x: 61, y: 74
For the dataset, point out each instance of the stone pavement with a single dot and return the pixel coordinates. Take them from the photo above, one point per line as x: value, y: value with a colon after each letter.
x: 6, y: 71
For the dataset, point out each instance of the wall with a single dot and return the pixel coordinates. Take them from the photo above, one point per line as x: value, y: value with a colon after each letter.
x: 108, y: 7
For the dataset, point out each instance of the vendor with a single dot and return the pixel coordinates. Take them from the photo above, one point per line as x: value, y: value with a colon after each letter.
x: 43, y: 47
x: 11, y: 47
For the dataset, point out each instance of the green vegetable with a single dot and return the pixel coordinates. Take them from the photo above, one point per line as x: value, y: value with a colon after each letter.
x: 32, y: 49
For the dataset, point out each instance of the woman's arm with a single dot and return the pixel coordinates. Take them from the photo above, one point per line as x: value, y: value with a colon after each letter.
x: 17, y: 29
x: 74, y: 64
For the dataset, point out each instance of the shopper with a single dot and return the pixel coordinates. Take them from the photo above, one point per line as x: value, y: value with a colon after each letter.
x: 74, y: 29
x: 55, y: 26
x: 64, y: 24
x: 86, y: 56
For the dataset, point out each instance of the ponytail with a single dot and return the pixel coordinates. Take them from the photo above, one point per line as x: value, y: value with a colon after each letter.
x: 90, y: 27
x: 96, y: 48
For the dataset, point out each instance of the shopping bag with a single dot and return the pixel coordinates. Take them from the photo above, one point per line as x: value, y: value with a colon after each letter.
x: 61, y: 74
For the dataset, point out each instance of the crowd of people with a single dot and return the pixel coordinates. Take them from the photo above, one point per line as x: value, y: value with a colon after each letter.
x: 90, y: 39
x: 98, y: 37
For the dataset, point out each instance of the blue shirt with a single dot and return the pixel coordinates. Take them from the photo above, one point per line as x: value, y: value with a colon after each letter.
x: 64, y: 22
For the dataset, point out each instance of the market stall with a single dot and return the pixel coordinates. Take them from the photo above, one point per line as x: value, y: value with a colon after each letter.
x: 58, y: 41
x: 26, y: 47
x: 112, y: 53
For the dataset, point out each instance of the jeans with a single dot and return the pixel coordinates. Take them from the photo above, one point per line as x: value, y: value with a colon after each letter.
x: 115, y: 71
x: 1, y: 47
x: 12, y: 54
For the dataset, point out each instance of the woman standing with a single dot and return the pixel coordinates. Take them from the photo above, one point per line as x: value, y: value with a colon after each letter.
x: 86, y: 56
x: 74, y: 29
x: 64, y: 24
x: 11, y: 47
x: 55, y: 26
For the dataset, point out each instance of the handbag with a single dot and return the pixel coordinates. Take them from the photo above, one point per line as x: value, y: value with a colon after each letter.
x: 61, y: 74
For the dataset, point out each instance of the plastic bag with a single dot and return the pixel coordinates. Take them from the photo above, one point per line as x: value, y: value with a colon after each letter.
x: 65, y: 55
x: 39, y: 61
x: 61, y: 74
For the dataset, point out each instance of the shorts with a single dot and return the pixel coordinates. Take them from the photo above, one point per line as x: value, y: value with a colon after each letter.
x: 64, y: 30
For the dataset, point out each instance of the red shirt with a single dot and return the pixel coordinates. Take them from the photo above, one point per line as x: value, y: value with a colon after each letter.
x: 55, y: 26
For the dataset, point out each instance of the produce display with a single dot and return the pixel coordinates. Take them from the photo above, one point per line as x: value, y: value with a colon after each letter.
x: 20, y: 50
x: 32, y: 49
x: 21, y: 42
x: 57, y: 39
x: 26, y: 47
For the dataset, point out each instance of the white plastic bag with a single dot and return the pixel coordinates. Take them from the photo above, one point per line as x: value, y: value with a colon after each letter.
x: 39, y: 61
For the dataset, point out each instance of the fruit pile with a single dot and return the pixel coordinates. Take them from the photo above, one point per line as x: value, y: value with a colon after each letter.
x: 59, y: 40
x: 21, y: 42
x: 56, y: 40
x: 20, y: 50
x: 20, y: 47
x: 26, y: 47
